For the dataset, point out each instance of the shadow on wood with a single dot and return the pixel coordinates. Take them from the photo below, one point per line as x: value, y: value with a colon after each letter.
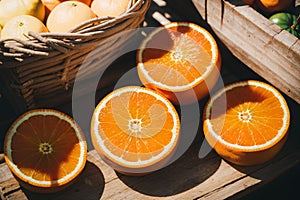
x: 88, y: 186
x: 185, y: 173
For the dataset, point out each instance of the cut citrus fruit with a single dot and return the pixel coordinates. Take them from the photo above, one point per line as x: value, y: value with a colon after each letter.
x: 135, y: 130
x: 45, y: 150
x: 246, y: 122
x: 181, y: 60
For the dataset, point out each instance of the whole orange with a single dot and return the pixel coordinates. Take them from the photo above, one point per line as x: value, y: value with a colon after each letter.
x: 19, y: 26
x: 273, y: 5
x: 68, y: 14
x: 111, y: 8
x: 50, y: 4
x: 12, y: 8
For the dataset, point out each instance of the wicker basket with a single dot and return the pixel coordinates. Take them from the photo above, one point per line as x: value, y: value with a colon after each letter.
x: 41, y: 71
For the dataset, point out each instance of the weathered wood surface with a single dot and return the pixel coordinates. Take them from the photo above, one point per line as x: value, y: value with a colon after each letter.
x: 187, y: 178
x: 271, y: 52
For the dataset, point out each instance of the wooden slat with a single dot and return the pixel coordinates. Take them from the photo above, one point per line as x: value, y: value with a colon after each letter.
x: 188, y: 178
x: 265, y: 48
x: 197, y: 178
x: 5, y: 173
x: 255, y: 179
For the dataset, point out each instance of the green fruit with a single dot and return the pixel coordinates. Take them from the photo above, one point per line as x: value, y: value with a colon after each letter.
x: 287, y: 22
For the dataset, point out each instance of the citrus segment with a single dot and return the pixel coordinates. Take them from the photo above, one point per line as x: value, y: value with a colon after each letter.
x: 180, y: 59
x: 135, y: 129
x: 246, y: 122
x: 45, y: 149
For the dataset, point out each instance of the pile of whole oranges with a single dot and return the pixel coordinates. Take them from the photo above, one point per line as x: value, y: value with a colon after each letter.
x: 18, y: 17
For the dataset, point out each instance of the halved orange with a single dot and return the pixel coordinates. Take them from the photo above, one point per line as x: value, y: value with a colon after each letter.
x: 181, y: 60
x: 45, y: 150
x: 135, y: 130
x: 246, y: 122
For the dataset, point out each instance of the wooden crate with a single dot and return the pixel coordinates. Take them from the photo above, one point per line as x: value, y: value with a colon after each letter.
x: 271, y: 52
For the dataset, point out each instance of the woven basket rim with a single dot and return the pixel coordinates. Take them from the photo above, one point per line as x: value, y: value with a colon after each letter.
x: 40, y: 44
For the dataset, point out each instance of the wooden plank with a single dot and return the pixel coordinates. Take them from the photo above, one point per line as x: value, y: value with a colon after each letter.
x: 187, y: 178
x: 150, y: 185
x: 255, y: 179
x: 179, y: 186
x: 270, y: 52
x: 5, y: 173
x: 90, y: 183
x: 198, y: 178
